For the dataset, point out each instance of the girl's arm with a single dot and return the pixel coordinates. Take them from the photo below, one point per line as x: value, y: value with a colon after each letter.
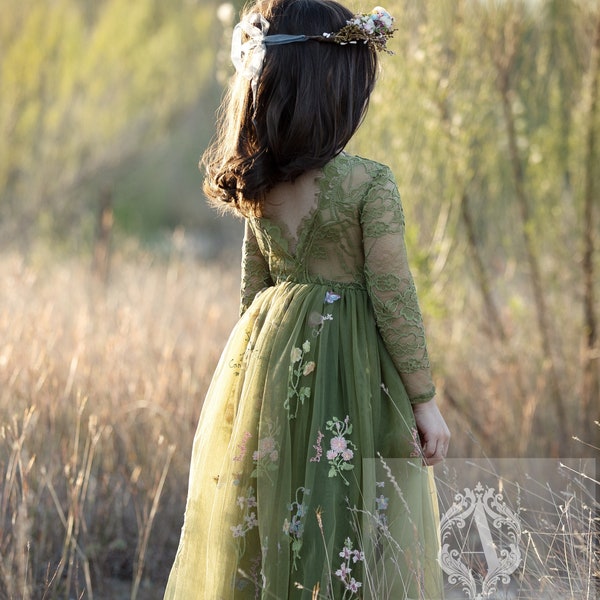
x: 391, y: 287
x: 394, y: 297
x: 255, y: 270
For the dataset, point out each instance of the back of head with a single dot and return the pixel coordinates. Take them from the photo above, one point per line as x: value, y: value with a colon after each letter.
x: 310, y: 99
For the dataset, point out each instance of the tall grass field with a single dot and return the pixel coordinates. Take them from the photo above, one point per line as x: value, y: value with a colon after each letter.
x: 101, y: 386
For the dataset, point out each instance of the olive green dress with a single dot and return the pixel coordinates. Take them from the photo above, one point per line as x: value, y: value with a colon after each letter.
x: 295, y: 489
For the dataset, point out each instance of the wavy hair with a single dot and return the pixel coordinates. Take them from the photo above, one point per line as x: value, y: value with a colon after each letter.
x: 311, y: 98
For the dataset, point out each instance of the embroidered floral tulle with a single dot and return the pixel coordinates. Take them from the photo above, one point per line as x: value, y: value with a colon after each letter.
x: 287, y: 495
x: 356, y: 237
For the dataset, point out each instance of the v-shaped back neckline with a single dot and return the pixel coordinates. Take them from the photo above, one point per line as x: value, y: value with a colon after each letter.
x: 281, y: 231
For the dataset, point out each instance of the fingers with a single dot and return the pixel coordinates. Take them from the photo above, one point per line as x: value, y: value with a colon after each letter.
x: 434, y: 452
x: 436, y: 448
x: 433, y: 431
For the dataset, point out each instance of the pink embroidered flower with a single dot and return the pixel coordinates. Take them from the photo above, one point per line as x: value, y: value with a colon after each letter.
x: 266, y: 445
x: 318, y: 448
x: 274, y: 456
x: 242, y: 447
x: 339, y: 444
x: 348, y: 554
x: 347, y: 454
x: 343, y: 571
x: 331, y: 454
x: 308, y: 368
x: 295, y: 355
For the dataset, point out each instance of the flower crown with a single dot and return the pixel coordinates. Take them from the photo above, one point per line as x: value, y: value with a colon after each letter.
x: 373, y: 29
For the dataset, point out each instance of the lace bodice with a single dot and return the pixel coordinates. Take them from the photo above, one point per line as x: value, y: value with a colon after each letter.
x: 352, y: 235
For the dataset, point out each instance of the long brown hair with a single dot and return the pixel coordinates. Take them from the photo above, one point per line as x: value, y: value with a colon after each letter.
x: 311, y: 98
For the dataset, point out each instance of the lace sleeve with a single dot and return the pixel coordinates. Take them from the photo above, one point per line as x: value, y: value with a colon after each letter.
x: 255, y: 270
x: 391, y: 286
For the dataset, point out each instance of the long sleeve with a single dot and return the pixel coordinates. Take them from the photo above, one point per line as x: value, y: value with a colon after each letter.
x: 391, y: 286
x: 255, y: 270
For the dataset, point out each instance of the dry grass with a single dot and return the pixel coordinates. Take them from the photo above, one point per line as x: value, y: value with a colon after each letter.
x: 100, y: 391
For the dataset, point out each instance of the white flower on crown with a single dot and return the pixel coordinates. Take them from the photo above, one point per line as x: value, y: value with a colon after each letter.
x: 383, y: 16
x: 369, y: 26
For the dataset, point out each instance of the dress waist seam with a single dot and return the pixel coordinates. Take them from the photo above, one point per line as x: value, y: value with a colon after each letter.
x: 329, y: 285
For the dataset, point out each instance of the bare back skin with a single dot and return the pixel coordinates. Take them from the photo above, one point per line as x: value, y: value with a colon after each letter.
x: 291, y: 205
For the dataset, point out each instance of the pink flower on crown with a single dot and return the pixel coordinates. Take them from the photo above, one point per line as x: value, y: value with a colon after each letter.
x: 369, y: 26
x: 383, y: 16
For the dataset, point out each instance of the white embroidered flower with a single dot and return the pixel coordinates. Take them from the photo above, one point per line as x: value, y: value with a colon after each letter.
x: 251, y: 520
x: 306, y: 346
x: 295, y: 355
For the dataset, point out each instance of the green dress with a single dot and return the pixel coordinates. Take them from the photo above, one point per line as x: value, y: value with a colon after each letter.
x: 293, y: 492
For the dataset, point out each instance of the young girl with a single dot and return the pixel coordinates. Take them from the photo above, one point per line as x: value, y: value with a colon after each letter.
x: 296, y: 488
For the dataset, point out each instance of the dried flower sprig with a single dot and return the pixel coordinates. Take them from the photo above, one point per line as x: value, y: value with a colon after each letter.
x: 373, y: 29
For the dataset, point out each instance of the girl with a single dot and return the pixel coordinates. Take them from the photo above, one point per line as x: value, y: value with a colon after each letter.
x: 296, y: 490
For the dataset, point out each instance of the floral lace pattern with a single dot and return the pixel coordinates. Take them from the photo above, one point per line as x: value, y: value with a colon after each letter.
x: 356, y: 238
x: 317, y: 375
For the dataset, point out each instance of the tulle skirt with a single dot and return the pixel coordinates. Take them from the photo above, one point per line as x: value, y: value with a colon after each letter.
x: 306, y: 479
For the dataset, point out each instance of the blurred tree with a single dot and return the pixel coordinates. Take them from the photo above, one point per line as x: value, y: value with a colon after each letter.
x: 85, y: 86
x: 483, y: 115
x: 487, y: 115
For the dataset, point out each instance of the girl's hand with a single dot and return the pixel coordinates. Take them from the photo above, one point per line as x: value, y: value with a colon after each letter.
x: 433, y: 432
